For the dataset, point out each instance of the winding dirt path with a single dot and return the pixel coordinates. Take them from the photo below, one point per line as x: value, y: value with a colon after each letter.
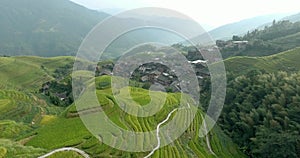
x: 157, y: 133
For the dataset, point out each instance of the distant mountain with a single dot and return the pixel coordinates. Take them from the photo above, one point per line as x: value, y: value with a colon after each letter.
x: 57, y: 28
x: 150, y: 34
x: 112, y: 11
x: 44, y: 27
x: 241, y: 27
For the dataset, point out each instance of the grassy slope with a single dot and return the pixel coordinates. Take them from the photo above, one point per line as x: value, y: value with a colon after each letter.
x: 69, y: 131
x: 285, y: 61
x: 26, y: 73
x: 20, y: 78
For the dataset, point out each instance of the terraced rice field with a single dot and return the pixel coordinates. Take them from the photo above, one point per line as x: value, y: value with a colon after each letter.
x: 12, y: 149
x: 18, y: 106
x: 69, y: 131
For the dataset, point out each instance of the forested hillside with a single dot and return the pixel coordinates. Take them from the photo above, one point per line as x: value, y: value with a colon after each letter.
x: 50, y: 28
x: 262, y: 102
x: 44, y: 27
x: 240, y: 28
x: 280, y: 36
x: 261, y: 114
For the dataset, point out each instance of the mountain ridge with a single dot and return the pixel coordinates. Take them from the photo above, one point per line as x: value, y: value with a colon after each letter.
x: 241, y: 27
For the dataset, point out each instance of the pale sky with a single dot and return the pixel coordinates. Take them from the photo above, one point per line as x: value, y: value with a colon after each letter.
x: 210, y: 12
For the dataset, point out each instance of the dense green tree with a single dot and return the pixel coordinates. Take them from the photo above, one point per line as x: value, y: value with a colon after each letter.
x: 261, y: 114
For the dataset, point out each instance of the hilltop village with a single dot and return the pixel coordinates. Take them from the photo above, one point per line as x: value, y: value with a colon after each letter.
x: 155, y: 71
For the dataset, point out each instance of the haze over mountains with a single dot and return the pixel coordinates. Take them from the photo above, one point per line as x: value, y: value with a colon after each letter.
x: 49, y: 28
x: 241, y: 27
x: 56, y: 28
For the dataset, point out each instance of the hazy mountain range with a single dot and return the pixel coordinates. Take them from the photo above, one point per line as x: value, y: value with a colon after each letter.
x: 241, y: 27
x: 49, y: 28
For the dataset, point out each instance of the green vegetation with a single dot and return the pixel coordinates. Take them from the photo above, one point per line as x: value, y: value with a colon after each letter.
x: 10, y: 149
x: 69, y: 131
x: 60, y: 132
x: 278, y: 37
x: 261, y: 104
x: 50, y: 131
x: 285, y: 61
x: 19, y: 106
x: 22, y: 107
x: 276, y: 30
x: 261, y: 114
x: 66, y: 154
x: 37, y: 115
x: 38, y: 124
x: 21, y: 78
x: 15, y: 73
x: 29, y: 73
x: 53, y: 128
x: 11, y: 129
